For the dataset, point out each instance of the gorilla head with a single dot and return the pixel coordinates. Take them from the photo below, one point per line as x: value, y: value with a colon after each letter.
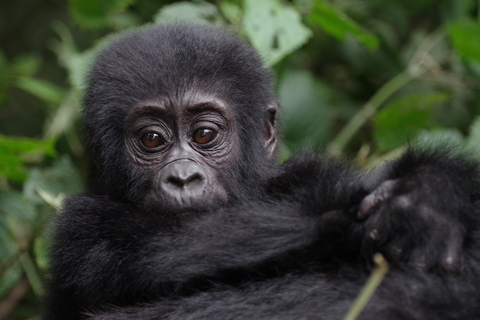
x: 178, y: 125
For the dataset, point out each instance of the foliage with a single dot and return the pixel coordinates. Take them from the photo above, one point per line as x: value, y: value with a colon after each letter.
x: 355, y: 78
x: 339, y: 25
x: 275, y: 30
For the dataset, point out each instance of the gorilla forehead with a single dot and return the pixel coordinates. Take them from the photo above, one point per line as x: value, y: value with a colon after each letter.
x: 171, y: 60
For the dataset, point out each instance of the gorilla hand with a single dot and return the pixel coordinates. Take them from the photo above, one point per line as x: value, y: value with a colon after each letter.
x: 422, y: 218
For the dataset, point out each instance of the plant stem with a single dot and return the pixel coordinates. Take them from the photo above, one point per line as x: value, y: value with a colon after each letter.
x: 369, y: 109
x: 417, y: 66
x: 370, y: 287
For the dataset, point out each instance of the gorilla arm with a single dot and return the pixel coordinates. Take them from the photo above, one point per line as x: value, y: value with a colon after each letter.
x: 108, y: 253
x: 419, y: 209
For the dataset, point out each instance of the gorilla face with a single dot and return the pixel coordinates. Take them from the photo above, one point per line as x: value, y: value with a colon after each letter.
x: 176, y: 122
x: 185, y: 146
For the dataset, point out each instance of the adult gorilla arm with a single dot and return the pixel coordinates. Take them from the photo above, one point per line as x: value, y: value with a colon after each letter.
x: 107, y: 253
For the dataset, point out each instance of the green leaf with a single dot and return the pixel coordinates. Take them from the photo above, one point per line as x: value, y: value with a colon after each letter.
x: 16, y: 152
x: 7, y: 241
x: 42, y: 89
x: 199, y: 12
x: 457, y: 10
x: 62, y: 178
x: 65, y: 115
x: 339, y: 25
x: 401, y: 120
x: 41, y: 248
x: 232, y: 11
x: 16, y: 219
x: 14, y: 205
x: 305, y: 111
x: 95, y: 13
x: 275, y: 30
x: 76, y: 63
x: 9, y: 278
x: 463, y: 35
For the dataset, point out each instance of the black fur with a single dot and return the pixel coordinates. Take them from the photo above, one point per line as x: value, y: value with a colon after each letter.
x: 288, y: 243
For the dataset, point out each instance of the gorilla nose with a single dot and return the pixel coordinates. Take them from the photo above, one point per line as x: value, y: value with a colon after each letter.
x: 183, y: 174
x: 183, y: 178
x: 186, y: 185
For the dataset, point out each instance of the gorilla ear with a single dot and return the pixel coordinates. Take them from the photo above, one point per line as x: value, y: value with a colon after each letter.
x: 270, y: 142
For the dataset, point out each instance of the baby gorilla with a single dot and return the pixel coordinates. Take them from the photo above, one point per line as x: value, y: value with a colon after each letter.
x: 187, y: 214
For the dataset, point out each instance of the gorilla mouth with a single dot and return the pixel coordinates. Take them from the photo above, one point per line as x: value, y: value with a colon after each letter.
x: 188, y: 200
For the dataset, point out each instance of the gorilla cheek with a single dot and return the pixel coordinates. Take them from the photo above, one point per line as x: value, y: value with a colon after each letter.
x: 185, y: 184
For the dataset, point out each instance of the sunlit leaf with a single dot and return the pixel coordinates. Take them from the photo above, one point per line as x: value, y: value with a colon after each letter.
x: 400, y: 121
x: 339, y: 25
x: 275, y: 30
x: 54, y: 201
x: 464, y: 34
x: 231, y: 10
x: 16, y: 152
x: 195, y: 12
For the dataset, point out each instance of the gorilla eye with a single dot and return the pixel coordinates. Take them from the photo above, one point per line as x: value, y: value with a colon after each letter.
x: 204, y: 136
x: 152, y: 140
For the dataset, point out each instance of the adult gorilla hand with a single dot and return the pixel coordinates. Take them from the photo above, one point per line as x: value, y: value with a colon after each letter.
x: 422, y: 218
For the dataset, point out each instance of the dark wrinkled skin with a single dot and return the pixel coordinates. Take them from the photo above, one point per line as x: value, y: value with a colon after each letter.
x: 184, y: 172
x: 187, y: 214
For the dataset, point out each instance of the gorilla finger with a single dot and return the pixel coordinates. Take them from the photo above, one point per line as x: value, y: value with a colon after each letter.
x: 375, y: 228
x: 367, y: 206
x: 418, y: 260
x: 394, y: 251
x: 372, y: 201
x: 373, y: 235
x: 452, y: 258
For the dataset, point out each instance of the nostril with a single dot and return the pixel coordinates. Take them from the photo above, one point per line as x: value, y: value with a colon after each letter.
x: 193, y: 177
x: 176, y: 181
x: 183, y: 181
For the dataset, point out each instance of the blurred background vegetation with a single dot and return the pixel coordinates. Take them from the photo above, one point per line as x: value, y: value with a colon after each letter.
x: 356, y: 79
